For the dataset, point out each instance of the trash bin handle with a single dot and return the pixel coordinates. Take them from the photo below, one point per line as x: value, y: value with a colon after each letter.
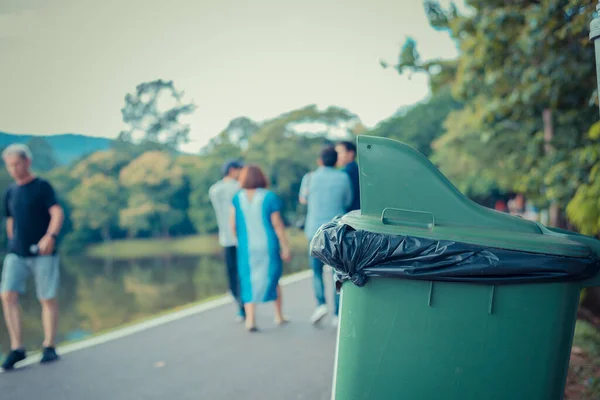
x: 400, y: 216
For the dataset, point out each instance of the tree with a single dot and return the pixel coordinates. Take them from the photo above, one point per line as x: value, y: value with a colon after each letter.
x: 63, y: 183
x: 202, y: 173
x: 519, y: 61
x: 287, y: 152
x: 96, y: 203
x: 283, y: 146
x: 234, y: 137
x: 420, y: 125
x: 456, y: 154
x: 584, y: 209
x: 79, y: 188
x: 106, y: 162
x: 153, y: 114
x: 153, y: 181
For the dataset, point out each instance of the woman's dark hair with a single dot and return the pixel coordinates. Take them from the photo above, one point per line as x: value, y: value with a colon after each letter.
x: 329, y: 156
x: 252, y: 177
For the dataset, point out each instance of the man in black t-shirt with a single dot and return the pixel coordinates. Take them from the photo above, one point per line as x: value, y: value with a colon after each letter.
x: 33, y: 221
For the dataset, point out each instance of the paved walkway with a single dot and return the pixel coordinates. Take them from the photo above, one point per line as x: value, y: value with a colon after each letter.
x: 206, y: 355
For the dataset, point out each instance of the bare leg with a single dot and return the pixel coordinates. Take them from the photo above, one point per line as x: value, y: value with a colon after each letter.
x: 279, y: 318
x: 12, y: 316
x: 250, y: 316
x: 49, y: 321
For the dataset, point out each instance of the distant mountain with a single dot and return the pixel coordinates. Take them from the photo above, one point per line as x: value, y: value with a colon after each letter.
x: 67, y: 147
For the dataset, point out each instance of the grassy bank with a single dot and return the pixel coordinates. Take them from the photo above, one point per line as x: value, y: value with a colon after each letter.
x: 198, y: 245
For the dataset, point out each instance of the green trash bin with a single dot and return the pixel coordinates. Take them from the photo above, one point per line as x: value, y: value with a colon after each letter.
x: 442, y: 339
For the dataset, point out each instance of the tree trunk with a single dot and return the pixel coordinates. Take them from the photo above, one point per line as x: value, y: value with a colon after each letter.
x: 554, y: 212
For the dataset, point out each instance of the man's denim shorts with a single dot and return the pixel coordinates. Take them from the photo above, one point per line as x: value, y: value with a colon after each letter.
x: 45, y: 270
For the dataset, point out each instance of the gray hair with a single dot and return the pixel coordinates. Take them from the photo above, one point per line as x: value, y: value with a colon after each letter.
x: 18, y: 149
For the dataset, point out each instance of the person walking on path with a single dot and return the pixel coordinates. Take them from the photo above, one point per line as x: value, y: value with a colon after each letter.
x: 221, y: 195
x: 327, y: 192
x: 262, y: 244
x: 33, y: 221
x: 347, y: 160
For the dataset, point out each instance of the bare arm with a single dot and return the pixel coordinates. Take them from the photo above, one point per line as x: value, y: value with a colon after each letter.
x: 303, y: 195
x: 57, y: 217
x: 279, y: 227
x: 232, y: 222
x: 9, y: 227
x: 47, y: 243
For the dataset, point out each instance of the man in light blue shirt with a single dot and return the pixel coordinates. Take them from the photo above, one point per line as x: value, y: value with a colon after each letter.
x: 327, y: 193
x: 221, y: 195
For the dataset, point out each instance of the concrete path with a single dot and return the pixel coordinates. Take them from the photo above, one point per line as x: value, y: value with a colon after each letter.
x: 205, y: 355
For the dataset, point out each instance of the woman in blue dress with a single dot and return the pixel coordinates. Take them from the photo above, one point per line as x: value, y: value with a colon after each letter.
x: 262, y: 243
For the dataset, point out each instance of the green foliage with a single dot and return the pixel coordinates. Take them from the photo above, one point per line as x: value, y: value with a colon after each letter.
x: 153, y: 180
x: 420, y: 125
x: 147, y: 189
x: 153, y: 114
x: 584, y: 208
x: 96, y: 203
x: 518, y: 60
x: 278, y: 145
x: 456, y: 153
x: 287, y: 155
x: 206, y: 172
x: 107, y: 162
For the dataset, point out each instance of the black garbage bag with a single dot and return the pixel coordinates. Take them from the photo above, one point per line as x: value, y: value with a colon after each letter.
x: 357, y: 254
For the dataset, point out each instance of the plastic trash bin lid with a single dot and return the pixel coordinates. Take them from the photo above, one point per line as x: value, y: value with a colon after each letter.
x: 403, y: 193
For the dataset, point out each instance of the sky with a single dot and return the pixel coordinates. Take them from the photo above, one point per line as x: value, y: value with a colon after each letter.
x: 66, y: 65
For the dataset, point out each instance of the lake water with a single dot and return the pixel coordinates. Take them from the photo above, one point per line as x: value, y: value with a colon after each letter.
x: 97, y: 295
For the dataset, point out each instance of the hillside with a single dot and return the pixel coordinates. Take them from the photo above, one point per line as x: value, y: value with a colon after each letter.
x: 67, y: 147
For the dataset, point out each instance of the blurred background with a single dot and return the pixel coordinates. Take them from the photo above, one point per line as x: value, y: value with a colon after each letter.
x: 131, y: 107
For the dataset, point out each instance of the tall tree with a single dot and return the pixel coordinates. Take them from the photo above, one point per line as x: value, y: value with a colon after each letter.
x: 281, y: 145
x: 153, y: 113
x: 420, y: 125
x: 584, y: 209
x: 202, y: 173
x: 287, y: 152
x: 457, y: 154
x: 153, y: 181
x: 234, y: 137
x: 106, y: 162
x: 519, y: 61
x: 96, y: 203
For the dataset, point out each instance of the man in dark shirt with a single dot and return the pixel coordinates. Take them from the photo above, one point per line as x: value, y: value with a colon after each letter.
x: 347, y: 160
x: 33, y: 221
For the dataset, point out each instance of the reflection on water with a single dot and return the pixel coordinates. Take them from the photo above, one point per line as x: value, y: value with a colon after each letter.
x: 97, y: 295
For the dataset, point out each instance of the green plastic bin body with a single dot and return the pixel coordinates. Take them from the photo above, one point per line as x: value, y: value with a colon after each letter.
x: 423, y: 340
